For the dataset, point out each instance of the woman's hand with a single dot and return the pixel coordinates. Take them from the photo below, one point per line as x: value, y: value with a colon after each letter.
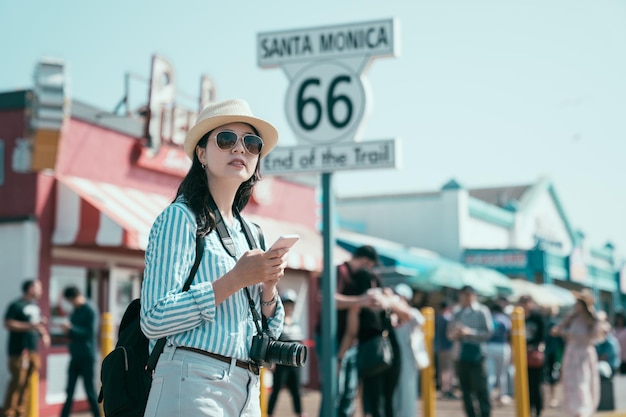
x: 256, y: 266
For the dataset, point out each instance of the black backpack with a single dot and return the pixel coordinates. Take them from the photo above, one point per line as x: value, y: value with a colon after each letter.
x: 126, y: 372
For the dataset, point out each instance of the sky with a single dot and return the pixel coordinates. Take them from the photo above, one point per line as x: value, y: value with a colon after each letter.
x: 488, y: 92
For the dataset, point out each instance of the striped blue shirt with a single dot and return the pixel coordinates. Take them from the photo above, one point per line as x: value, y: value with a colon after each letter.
x: 191, y: 318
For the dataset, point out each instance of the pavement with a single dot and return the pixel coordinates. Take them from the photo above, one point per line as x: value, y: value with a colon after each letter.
x: 453, y: 408
x: 311, y: 400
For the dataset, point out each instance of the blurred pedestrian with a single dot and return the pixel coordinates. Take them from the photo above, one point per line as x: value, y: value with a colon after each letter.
x: 619, y: 330
x: 470, y: 328
x: 408, y: 333
x: 26, y: 326
x: 499, y: 355
x: 554, y: 356
x: 364, y: 258
x: 579, y: 375
x: 443, y: 351
x: 364, y: 324
x: 82, y: 333
x: 535, y: 344
x: 608, y: 351
x: 283, y: 375
x: 607, y: 346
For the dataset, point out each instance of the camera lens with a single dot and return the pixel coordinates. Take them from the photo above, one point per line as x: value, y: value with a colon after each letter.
x: 287, y: 353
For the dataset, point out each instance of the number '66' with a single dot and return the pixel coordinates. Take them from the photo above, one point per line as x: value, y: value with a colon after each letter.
x: 332, y: 100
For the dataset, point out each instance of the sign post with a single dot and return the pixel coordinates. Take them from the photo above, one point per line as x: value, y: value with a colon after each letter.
x: 326, y: 104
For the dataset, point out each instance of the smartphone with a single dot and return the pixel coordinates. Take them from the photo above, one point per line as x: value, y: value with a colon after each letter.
x: 284, y: 241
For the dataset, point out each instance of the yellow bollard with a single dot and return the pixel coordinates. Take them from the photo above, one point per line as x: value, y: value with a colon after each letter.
x: 107, y: 337
x: 263, y: 394
x: 33, y: 396
x: 518, y: 345
x: 428, y: 374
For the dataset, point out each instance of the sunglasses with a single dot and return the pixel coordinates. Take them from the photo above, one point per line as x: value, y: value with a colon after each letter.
x: 227, y: 140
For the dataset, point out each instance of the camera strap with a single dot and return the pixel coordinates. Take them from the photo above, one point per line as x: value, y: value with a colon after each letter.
x: 229, y: 246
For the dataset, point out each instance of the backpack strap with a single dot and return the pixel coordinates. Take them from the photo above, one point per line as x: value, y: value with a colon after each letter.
x: 261, y: 235
x: 160, y: 344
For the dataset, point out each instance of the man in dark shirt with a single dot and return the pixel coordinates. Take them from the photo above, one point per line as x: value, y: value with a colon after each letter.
x: 82, y: 333
x: 26, y: 326
x: 535, y: 340
x: 364, y: 257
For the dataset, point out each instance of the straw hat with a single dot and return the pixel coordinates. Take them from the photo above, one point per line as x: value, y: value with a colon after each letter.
x: 587, y: 298
x: 220, y: 113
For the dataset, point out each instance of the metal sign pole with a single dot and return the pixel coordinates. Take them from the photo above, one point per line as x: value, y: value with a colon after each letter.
x: 326, y: 104
x: 329, y: 312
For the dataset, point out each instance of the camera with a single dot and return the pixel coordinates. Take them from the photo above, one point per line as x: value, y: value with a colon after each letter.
x: 266, y: 351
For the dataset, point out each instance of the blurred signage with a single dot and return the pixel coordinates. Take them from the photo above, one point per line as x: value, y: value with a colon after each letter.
x: 577, y: 267
x: 169, y: 159
x: 49, y: 105
x: 168, y: 122
x: 49, y: 109
x: 502, y: 259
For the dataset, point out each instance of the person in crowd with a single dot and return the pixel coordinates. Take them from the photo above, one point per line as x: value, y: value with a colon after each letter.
x: 82, y: 331
x: 443, y: 351
x: 288, y: 376
x: 535, y: 340
x: 470, y: 327
x: 364, y: 258
x: 554, y: 354
x: 607, y: 346
x: 365, y: 323
x: 210, y: 327
x: 405, y: 395
x: 499, y: 355
x: 619, y: 330
x: 507, y: 308
x: 26, y: 326
x: 579, y: 374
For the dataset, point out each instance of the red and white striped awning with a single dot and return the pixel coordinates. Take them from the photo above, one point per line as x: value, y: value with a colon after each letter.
x: 92, y: 213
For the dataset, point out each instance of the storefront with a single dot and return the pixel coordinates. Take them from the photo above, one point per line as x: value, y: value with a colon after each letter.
x: 522, y: 231
x: 540, y: 266
x: 78, y: 203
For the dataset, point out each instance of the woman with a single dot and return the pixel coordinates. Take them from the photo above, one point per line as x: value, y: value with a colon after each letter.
x: 284, y: 375
x: 579, y: 372
x: 406, y: 393
x: 365, y: 324
x: 205, y: 368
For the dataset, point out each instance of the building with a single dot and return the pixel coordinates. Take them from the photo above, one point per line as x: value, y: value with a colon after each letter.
x: 521, y: 231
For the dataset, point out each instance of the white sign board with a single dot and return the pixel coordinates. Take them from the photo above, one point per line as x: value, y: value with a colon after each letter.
x: 327, y: 99
x: 377, y: 38
x: 346, y: 156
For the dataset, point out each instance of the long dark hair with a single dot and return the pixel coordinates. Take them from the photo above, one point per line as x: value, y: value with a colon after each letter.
x: 195, y: 189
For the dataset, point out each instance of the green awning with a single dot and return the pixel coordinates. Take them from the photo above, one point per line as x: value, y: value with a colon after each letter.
x: 424, y: 269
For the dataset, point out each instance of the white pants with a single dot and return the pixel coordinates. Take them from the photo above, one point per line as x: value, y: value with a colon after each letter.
x: 190, y: 384
x: 498, y: 360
